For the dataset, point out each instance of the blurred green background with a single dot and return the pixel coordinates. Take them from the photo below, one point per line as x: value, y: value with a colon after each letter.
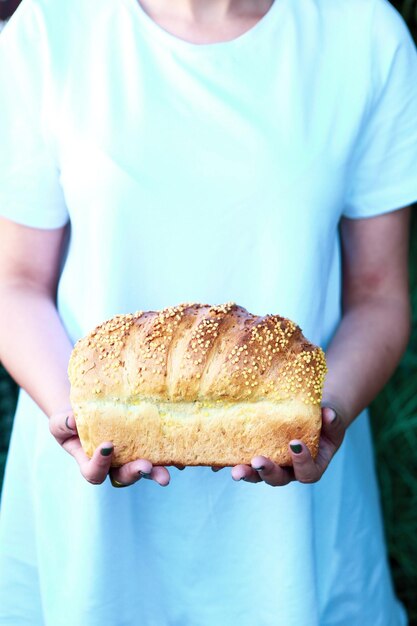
x: 394, y: 421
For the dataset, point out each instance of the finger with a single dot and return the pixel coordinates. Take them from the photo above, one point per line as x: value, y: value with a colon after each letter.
x: 246, y: 473
x: 332, y: 434
x: 94, y: 470
x: 160, y: 475
x: 115, y: 483
x: 271, y: 473
x: 74, y: 448
x: 304, y: 466
x: 333, y: 428
x: 129, y: 473
x: 144, y: 469
x: 70, y: 423
x: 62, y: 426
x: 126, y: 475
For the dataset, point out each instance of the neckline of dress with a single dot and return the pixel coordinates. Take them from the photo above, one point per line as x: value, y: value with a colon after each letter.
x: 172, y: 39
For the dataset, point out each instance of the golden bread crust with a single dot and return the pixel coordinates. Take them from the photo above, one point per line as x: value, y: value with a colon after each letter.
x: 245, y: 384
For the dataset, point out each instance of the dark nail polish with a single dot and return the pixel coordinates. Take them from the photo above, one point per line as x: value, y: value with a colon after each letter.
x: 296, y: 448
x: 242, y: 478
x: 145, y: 474
x: 106, y: 451
x: 67, y: 424
x: 259, y: 469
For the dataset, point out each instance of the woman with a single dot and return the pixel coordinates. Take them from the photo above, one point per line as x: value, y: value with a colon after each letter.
x: 161, y: 152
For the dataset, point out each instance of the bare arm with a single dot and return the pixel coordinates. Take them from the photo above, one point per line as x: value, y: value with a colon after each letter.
x: 35, y: 347
x: 376, y: 312
x: 367, y: 346
x: 29, y: 262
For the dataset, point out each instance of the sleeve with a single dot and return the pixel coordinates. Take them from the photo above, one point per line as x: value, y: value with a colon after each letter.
x: 30, y: 192
x: 384, y: 168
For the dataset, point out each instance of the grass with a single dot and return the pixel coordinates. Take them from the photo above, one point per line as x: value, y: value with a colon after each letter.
x: 8, y: 396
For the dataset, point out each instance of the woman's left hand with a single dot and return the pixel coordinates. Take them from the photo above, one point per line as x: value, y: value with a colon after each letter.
x: 305, y: 469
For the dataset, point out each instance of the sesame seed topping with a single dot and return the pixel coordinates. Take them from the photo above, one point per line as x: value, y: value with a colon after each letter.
x: 243, y: 354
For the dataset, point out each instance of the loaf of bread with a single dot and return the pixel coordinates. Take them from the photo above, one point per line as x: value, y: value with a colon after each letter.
x: 196, y: 384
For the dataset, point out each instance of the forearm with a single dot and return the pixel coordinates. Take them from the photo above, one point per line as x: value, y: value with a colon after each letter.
x: 34, y: 346
x: 364, y: 353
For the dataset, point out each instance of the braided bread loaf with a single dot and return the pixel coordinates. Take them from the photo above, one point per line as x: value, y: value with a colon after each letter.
x: 197, y: 385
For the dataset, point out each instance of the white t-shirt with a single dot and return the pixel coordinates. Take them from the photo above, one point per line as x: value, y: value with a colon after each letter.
x: 210, y: 173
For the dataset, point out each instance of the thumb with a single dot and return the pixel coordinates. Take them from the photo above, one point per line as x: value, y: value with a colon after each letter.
x: 333, y: 427
x: 62, y: 426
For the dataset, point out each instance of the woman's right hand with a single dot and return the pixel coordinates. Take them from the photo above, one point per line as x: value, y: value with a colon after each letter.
x: 63, y: 428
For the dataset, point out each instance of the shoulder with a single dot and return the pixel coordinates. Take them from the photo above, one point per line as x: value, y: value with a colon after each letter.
x: 50, y: 29
x: 49, y: 17
x: 354, y: 31
x: 367, y: 36
x: 392, y: 49
x: 358, y: 8
x: 386, y: 19
x: 377, y: 16
x: 49, y: 8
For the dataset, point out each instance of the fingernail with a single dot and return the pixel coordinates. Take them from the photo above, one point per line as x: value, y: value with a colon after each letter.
x: 145, y: 474
x: 67, y: 424
x: 116, y: 484
x: 242, y: 478
x: 333, y: 416
x: 106, y: 451
x: 259, y: 469
x: 296, y: 448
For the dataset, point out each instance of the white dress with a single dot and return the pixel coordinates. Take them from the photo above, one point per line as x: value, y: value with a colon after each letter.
x: 210, y: 173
